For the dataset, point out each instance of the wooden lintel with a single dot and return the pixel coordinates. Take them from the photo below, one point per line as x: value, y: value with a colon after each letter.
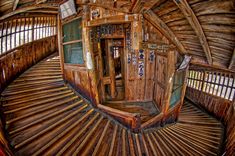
x: 102, y: 6
x: 15, y: 4
x: 111, y: 20
x: 232, y: 60
x: 28, y: 8
x: 164, y: 29
x: 193, y: 21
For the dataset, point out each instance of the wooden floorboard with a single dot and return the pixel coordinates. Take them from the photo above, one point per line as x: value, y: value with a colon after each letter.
x: 45, y: 117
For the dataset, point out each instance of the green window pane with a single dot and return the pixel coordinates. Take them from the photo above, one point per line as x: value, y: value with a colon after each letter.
x: 73, y: 53
x: 72, y: 30
x: 177, y: 87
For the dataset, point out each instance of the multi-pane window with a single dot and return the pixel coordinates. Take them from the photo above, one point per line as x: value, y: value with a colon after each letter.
x: 16, y: 32
x: 214, y: 83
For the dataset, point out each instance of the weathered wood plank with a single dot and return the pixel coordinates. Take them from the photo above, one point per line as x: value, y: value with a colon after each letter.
x: 192, y: 19
x: 28, y: 8
x: 163, y: 28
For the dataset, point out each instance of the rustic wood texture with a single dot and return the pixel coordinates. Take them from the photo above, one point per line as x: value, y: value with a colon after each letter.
x: 161, y: 26
x: 192, y: 19
x: 216, y: 18
x: 19, y: 59
x: 57, y: 121
x: 222, y: 109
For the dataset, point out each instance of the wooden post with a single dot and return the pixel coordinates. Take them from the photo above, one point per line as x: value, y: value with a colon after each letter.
x: 60, y: 46
x: 111, y: 70
x: 184, y: 87
x: 169, y: 82
x: 87, y: 51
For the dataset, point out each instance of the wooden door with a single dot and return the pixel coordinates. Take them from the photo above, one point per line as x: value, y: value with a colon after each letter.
x: 107, y: 69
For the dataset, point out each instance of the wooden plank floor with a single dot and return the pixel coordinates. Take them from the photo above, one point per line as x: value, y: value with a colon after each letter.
x: 45, y: 117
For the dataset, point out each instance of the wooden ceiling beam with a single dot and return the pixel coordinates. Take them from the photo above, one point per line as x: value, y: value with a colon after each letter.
x: 149, y: 4
x: 28, y: 8
x: 164, y: 29
x: 194, y: 22
x: 15, y: 4
x: 232, y: 60
x: 137, y: 6
x: 79, y: 2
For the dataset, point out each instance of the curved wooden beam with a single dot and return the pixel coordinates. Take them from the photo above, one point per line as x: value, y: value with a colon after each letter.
x: 137, y: 7
x: 193, y: 21
x: 79, y: 2
x: 28, y: 8
x: 150, y: 3
x: 164, y: 29
x: 232, y: 60
x: 15, y: 4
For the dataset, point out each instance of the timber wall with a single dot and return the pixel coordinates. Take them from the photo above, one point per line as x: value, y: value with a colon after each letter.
x: 16, y: 61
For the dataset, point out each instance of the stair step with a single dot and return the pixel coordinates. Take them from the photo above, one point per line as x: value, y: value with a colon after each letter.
x: 77, y: 135
x: 49, y: 128
x: 38, y: 93
x: 33, y: 99
x: 46, y: 117
x: 39, y: 103
x: 45, y: 108
x: 54, y: 140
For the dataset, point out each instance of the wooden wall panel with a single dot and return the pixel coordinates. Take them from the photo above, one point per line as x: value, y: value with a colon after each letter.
x: 79, y: 79
x: 150, y: 72
x: 19, y: 59
x: 160, y: 77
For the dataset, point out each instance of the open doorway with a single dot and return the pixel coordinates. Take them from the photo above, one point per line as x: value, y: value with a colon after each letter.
x: 111, y: 69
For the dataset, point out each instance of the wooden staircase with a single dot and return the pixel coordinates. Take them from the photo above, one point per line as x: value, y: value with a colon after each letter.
x: 45, y: 117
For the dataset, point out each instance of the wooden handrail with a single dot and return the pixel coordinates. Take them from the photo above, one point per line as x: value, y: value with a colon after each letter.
x: 153, y: 121
x: 131, y: 120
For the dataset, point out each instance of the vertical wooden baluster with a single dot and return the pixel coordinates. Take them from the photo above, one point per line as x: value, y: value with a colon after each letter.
x: 10, y: 34
x: 20, y: 24
x: 16, y: 24
x: 222, y: 85
x: 227, y: 86
x: 207, y: 81
x: 232, y: 87
x: 6, y: 37
x: 195, y: 80
x: 24, y: 31
x: 211, y: 83
x: 33, y: 28
x: 1, y: 29
x: 215, y: 84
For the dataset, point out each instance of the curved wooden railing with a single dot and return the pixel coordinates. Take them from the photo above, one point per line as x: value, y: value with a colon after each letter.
x: 222, y: 109
x: 16, y: 61
x: 131, y: 120
x: 19, y: 59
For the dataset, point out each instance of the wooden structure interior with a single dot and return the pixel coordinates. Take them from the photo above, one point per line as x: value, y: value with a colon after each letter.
x: 117, y: 77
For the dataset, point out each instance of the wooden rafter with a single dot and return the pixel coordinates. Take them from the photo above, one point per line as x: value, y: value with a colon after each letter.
x: 163, y: 28
x: 79, y: 2
x: 193, y: 21
x: 137, y: 6
x: 15, y: 4
x: 40, y: 1
x: 232, y: 60
x: 149, y: 4
x: 28, y: 8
